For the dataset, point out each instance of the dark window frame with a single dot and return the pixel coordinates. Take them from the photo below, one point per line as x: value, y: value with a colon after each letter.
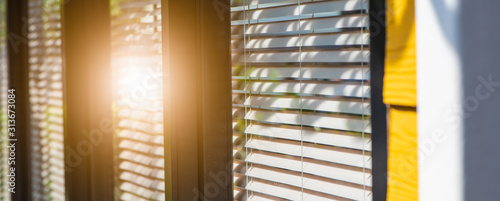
x: 378, y: 108
x: 17, y: 50
x: 86, y: 34
x: 197, y: 99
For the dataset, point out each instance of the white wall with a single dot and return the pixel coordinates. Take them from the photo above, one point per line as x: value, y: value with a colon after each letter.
x: 458, y: 112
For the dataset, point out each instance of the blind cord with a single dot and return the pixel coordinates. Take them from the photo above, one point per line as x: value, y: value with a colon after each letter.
x: 245, y: 14
x: 363, y: 97
x: 300, y: 106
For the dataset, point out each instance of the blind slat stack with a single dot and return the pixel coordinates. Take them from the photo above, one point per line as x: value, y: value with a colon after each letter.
x: 46, y: 99
x: 301, y: 100
x: 138, y: 109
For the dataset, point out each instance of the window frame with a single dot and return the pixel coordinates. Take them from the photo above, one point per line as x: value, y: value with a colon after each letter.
x: 378, y: 108
x: 86, y: 34
x: 17, y: 50
x: 198, y: 159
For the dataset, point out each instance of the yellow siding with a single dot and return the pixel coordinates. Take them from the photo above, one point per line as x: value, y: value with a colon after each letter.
x: 400, y: 62
x: 403, y: 158
x: 400, y: 92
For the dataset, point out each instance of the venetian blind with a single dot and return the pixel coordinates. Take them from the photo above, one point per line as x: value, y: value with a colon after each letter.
x: 138, y: 109
x: 46, y: 99
x: 301, y: 100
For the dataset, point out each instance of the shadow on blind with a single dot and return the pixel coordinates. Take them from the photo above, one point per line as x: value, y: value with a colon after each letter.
x: 46, y: 99
x: 4, y: 194
x: 301, y: 100
x: 138, y: 106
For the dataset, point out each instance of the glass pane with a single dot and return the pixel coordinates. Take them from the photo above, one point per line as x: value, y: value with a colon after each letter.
x: 137, y: 105
x: 46, y: 99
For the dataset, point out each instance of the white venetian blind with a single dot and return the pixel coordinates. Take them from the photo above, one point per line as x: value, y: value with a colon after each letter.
x: 301, y: 100
x: 46, y: 99
x: 138, y: 109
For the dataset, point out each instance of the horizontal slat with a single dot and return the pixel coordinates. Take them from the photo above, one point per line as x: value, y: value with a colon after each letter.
x: 281, y: 191
x: 351, y: 38
x: 312, y: 151
x: 291, y: 33
x: 294, y: 9
x: 357, y: 20
x: 141, y: 191
x: 238, y: 5
x: 339, y: 56
x: 328, y: 89
x: 291, y: 18
x: 298, y: 49
x: 328, y: 170
x: 141, y: 115
x: 322, y: 121
x: 308, y: 182
x: 307, y: 104
x: 141, y: 126
x: 319, y: 136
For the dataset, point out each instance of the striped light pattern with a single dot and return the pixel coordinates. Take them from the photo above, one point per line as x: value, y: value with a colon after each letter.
x: 137, y: 107
x: 301, y: 100
x: 46, y: 99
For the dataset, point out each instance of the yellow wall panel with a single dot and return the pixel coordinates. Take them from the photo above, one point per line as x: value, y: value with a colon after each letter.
x: 403, y: 157
x: 400, y: 92
x: 400, y: 85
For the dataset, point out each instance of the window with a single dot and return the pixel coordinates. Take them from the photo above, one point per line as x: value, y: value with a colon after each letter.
x: 301, y: 100
x: 243, y: 99
x: 46, y: 100
x: 137, y: 105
